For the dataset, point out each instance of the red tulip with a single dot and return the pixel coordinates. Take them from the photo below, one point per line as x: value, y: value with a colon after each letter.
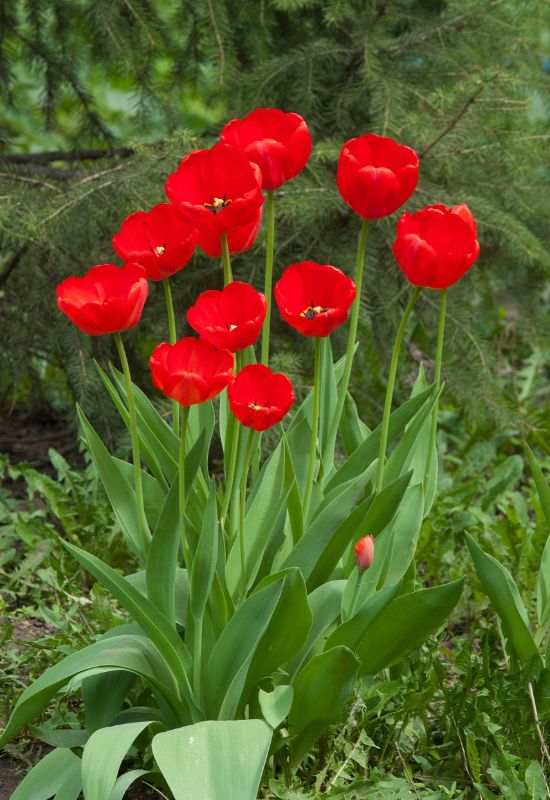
x: 159, y: 240
x: 278, y: 143
x: 218, y: 191
x: 260, y: 398
x: 313, y: 298
x: 437, y: 245
x: 106, y: 299
x: 376, y: 175
x: 364, y: 552
x: 191, y: 370
x: 231, y: 318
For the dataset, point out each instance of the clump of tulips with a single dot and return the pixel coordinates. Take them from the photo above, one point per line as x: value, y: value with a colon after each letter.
x: 264, y: 596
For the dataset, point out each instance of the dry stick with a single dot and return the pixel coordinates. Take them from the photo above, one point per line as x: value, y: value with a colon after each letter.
x: 405, y: 768
x: 543, y: 747
x: 454, y: 122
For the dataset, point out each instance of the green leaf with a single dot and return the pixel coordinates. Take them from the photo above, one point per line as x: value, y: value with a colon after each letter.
x: 48, y: 776
x: 205, y: 559
x: 148, y: 617
x: 352, y: 428
x: 132, y: 653
x: 329, y: 397
x: 103, y: 755
x: 275, y: 705
x: 214, y: 760
x: 325, y: 603
x: 233, y: 652
x: 503, y: 593
x: 415, y: 432
x: 352, y: 632
x: 103, y: 696
x: 124, y: 782
x: 543, y: 587
x: 404, y: 624
x: 541, y: 483
x: 321, y: 690
x: 162, y: 558
x: 60, y: 737
x: 121, y: 495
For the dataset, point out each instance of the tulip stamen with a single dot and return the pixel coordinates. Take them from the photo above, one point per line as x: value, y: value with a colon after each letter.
x: 312, y: 311
x: 159, y: 250
x: 218, y: 203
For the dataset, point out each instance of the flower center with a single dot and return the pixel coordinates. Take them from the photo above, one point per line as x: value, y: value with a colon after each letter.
x: 218, y: 203
x: 311, y: 311
x: 159, y: 250
x: 255, y: 406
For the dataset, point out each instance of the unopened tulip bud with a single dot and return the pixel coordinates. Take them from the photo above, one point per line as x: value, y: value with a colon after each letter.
x: 364, y: 552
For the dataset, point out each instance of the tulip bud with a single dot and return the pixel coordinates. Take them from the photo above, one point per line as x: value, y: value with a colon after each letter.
x: 364, y: 552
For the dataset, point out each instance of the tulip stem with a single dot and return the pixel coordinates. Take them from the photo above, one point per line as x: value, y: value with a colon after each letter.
x: 173, y: 337
x: 356, y: 593
x: 268, y: 285
x: 314, y: 426
x: 242, y: 510
x: 226, y: 260
x: 390, y: 387
x: 184, y: 416
x: 144, y: 533
x: 437, y: 371
x: 328, y: 454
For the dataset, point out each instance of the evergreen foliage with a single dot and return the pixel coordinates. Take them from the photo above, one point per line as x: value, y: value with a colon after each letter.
x: 461, y: 81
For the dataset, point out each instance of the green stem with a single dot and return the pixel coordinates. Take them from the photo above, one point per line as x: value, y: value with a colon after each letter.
x: 352, y: 334
x: 356, y: 594
x: 226, y: 260
x: 314, y: 426
x: 181, y: 484
x: 437, y: 368
x: 389, y: 391
x: 242, y: 510
x: 144, y: 533
x: 173, y: 337
x: 270, y: 245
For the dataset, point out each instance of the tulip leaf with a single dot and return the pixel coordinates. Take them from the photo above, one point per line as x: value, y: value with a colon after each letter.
x: 103, y: 696
x: 543, y: 489
x: 49, y: 776
x: 298, y: 438
x: 162, y: 558
x: 321, y: 690
x: 329, y: 399
x: 275, y: 705
x: 149, y: 618
x: 404, y: 624
x: 214, y: 760
x: 233, y: 652
x: 504, y: 595
x: 124, y: 782
x: 103, y: 755
x: 367, y: 451
x: 128, y: 652
x: 352, y: 429
x: 413, y: 439
x: 351, y: 633
x: 325, y: 603
x: 120, y: 493
x: 205, y: 558
x: 543, y: 587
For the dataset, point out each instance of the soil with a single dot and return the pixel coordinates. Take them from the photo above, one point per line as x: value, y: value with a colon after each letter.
x: 27, y: 437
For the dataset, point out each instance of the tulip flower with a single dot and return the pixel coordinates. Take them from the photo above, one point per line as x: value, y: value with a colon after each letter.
x: 231, y: 318
x: 278, y: 143
x: 260, y: 398
x: 218, y: 191
x: 191, y: 370
x: 364, y: 552
x: 376, y: 175
x: 314, y: 298
x: 158, y: 239
x: 107, y: 299
x: 437, y: 245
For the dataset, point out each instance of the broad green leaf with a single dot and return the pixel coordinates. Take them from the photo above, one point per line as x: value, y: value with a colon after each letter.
x: 124, y: 782
x: 205, y: 559
x: 233, y: 652
x: 417, y: 429
x: 60, y: 737
x: 321, y: 690
x: 132, y: 653
x: 325, y: 603
x: 148, y: 617
x: 103, y: 755
x: 295, y: 507
x: 404, y: 624
x: 103, y: 696
x: 351, y: 633
x: 298, y: 438
x: 153, y: 491
x: 121, y: 495
x: 139, y: 582
x: 541, y: 483
x: 366, y: 453
x: 287, y: 630
x: 162, y: 558
x: 503, y: 593
x: 275, y: 705
x: 352, y: 429
x: 48, y: 776
x: 329, y: 398
x: 543, y: 587
x: 214, y: 760
x: 201, y: 424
